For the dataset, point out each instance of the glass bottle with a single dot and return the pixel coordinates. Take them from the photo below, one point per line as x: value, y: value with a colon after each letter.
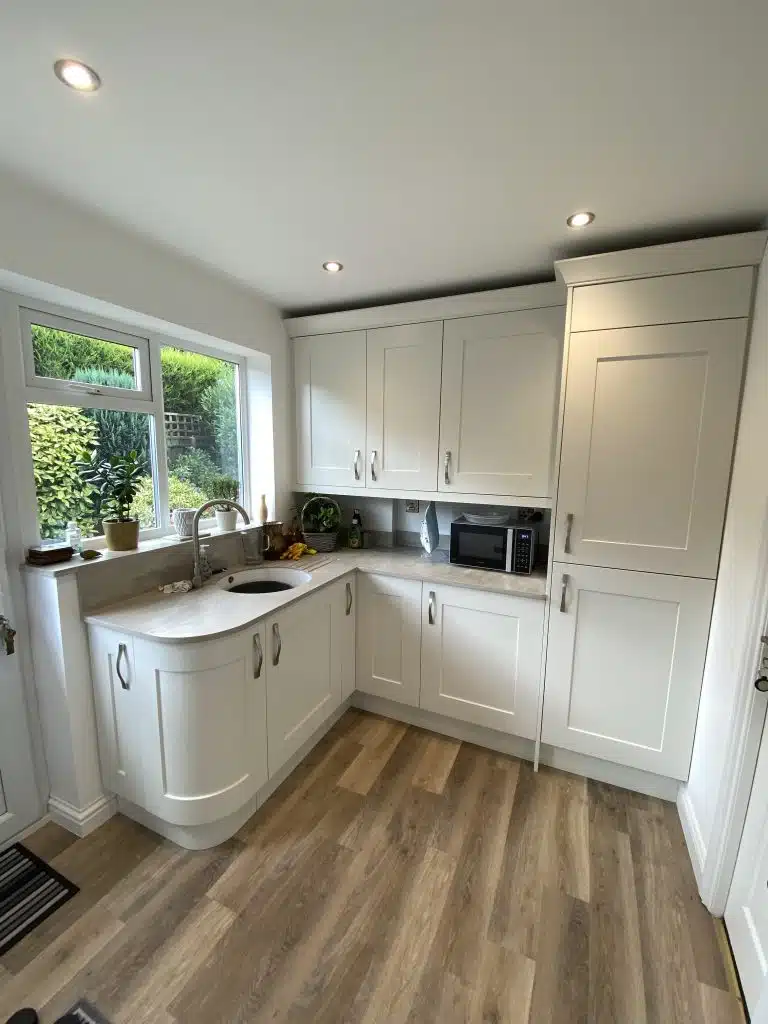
x: 74, y: 536
x: 356, y: 530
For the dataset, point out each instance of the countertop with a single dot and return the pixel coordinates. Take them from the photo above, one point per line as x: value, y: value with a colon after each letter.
x: 213, y: 612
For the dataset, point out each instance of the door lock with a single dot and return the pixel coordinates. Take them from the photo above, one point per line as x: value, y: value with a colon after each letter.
x: 761, y: 683
x: 7, y: 636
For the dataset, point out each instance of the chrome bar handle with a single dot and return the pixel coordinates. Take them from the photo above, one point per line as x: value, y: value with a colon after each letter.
x: 568, y: 528
x: 373, y: 465
x: 258, y: 656
x: 122, y: 652
x: 277, y: 644
x: 348, y: 610
x: 447, y: 467
x: 564, y: 591
x: 357, y: 463
x: 431, y: 609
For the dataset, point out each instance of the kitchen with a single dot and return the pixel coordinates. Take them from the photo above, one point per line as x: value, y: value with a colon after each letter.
x: 521, y: 682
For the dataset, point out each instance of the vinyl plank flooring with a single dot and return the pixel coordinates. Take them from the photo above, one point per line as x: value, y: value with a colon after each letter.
x: 49, y: 841
x: 394, y: 876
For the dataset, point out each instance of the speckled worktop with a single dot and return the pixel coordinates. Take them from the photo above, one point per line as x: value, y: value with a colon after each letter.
x: 212, y: 612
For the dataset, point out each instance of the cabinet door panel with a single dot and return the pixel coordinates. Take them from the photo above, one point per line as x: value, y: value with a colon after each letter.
x: 404, y: 406
x: 481, y: 657
x: 345, y: 613
x: 119, y: 754
x: 625, y: 658
x: 304, y: 686
x: 501, y: 376
x: 329, y: 372
x: 389, y: 638
x: 650, y: 418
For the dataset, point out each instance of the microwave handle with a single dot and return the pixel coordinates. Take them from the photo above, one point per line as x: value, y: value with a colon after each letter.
x: 510, y: 551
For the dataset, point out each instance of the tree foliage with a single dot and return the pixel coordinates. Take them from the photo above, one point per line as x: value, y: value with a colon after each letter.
x: 119, y: 432
x: 60, y: 354
x: 181, y: 494
x: 61, y: 437
x: 186, y: 378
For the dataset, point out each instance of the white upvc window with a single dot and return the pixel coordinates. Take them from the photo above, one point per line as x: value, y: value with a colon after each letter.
x: 95, y: 386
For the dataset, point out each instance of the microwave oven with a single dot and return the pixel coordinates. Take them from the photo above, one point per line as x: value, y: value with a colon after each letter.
x: 510, y: 548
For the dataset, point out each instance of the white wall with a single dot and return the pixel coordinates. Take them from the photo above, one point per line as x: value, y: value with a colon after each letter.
x: 77, y: 256
x: 738, y: 616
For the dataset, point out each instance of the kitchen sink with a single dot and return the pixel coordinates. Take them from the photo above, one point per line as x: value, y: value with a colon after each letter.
x: 264, y: 581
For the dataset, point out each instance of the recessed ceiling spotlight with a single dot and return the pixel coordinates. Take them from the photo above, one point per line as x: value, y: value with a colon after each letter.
x: 333, y: 266
x: 580, y: 220
x: 77, y: 75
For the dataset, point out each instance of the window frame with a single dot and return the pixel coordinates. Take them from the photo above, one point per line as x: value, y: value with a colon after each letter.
x: 148, y: 399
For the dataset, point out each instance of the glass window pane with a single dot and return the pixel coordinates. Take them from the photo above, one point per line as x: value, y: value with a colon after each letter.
x: 61, y: 436
x: 63, y: 355
x: 202, y: 435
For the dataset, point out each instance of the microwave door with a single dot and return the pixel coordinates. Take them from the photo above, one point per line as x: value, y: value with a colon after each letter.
x: 481, y: 547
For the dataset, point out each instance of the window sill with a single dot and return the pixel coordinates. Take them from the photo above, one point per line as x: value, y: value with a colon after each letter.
x: 146, y: 546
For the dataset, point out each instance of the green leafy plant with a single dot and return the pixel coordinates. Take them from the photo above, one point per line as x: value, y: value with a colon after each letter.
x: 119, y: 432
x: 197, y: 467
x: 181, y: 494
x: 225, y: 487
x: 61, y: 437
x: 117, y: 480
x: 321, y: 517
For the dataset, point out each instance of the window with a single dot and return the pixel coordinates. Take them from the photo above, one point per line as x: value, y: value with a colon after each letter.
x: 90, y: 391
x: 202, y: 427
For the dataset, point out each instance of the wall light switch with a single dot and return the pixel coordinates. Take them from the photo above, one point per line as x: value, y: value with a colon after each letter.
x: 411, y: 506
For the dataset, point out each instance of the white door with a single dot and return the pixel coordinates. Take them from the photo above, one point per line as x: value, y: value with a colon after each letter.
x: 19, y: 798
x: 389, y: 637
x: 625, y: 657
x: 303, y: 676
x: 746, y: 912
x: 344, y: 635
x: 404, y: 406
x: 481, y: 657
x: 650, y: 420
x: 501, y: 377
x: 329, y: 374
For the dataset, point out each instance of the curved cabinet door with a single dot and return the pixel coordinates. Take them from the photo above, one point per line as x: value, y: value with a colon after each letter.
x: 481, y: 657
x: 303, y: 673
x: 202, y: 707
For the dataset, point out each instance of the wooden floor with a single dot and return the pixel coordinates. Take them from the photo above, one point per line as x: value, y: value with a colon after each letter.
x: 395, y: 876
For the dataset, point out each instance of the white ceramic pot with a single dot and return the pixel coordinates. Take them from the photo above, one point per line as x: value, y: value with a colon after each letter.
x: 182, y: 519
x: 226, y: 521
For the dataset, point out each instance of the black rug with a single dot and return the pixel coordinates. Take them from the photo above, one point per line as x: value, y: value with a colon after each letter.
x: 84, y: 1013
x: 30, y: 891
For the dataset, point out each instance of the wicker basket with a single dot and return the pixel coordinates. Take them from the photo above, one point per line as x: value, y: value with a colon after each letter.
x: 320, y: 541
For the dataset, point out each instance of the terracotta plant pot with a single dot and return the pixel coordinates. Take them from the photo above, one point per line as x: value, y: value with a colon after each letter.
x: 121, y: 536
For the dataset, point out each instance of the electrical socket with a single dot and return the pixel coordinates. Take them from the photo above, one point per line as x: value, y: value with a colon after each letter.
x: 411, y: 506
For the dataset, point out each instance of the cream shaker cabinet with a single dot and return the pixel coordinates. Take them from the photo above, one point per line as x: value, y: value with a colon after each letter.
x: 648, y: 434
x: 403, y: 401
x: 481, y: 657
x: 330, y: 378
x: 625, y: 658
x: 389, y: 637
x: 499, y: 402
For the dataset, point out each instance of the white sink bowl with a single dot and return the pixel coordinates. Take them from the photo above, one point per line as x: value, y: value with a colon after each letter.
x: 263, y: 581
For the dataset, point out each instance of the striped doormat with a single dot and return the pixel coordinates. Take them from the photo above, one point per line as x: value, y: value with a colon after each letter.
x: 30, y: 891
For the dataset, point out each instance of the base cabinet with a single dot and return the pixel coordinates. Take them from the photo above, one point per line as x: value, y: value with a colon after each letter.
x: 481, y: 657
x: 389, y: 638
x: 625, y: 657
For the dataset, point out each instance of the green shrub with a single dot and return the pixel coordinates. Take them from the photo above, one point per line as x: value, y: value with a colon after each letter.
x: 181, y: 494
x: 197, y: 467
x: 60, y: 437
x: 61, y: 354
x: 119, y: 432
x: 186, y: 378
x: 220, y: 407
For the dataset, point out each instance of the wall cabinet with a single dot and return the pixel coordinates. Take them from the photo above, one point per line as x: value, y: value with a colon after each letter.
x: 500, y: 386
x: 481, y: 657
x: 389, y: 637
x: 403, y: 399
x: 625, y: 658
x: 648, y: 433
x: 330, y: 373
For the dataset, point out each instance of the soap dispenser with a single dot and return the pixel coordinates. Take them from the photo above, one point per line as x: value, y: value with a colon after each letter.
x: 205, y: 565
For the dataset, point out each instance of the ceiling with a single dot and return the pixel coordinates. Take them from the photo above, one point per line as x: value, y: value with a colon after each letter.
x: 430, y: 145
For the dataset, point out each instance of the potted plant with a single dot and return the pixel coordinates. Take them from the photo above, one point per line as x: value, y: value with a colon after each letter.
x: 225, y: 487
x: 320, y: 520
x: 116, y: 481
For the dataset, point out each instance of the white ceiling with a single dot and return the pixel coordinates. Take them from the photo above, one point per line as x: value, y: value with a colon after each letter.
x: 429, y: 145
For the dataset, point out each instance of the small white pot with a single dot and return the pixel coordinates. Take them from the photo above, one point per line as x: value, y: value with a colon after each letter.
x: 182, y: 519
x: 226, y: 521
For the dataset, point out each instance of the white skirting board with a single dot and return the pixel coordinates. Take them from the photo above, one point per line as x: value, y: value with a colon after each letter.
x: 578, y: 764
x: 694, y: 840
x: 81, y: 821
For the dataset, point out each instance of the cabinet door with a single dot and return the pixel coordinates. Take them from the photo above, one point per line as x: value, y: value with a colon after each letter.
x: 625, y: 658
x: 329, y: 372
x: 481, y: 657
x: 303, y: 676
x: 203, y: 714
x: 345, y: 613
x: 650, y: 418
x: 115, y: 685
x: 404, y: 406
x: 389, y: 638
x: 501, y: 377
